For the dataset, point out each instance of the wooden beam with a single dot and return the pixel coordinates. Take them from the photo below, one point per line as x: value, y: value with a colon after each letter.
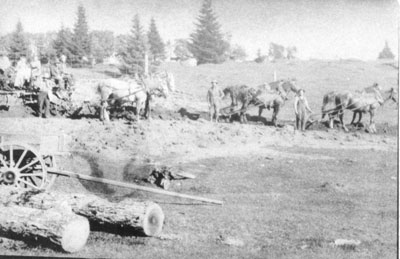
x: 131, y: 186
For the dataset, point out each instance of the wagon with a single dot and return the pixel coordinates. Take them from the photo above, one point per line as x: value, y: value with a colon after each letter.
x: 28, y: 161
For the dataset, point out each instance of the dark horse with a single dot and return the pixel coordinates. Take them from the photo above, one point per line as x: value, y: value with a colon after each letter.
x: 274, y: 96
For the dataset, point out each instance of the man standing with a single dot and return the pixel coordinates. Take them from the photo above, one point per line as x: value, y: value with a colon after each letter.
x: 22, y: 73
x: 44, y: 88
x: 35, y: 70
x: 55, y: 72
x: 300, y: 109
x: 214, y: 96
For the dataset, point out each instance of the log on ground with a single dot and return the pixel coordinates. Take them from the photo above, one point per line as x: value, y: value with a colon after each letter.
x: 55, y: 228
x: 128, y: 217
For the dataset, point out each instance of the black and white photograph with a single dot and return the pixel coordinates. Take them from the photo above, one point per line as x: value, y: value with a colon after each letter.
x: 199, y: 129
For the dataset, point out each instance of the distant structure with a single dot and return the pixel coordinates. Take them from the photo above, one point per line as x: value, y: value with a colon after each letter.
x: 112, y: 60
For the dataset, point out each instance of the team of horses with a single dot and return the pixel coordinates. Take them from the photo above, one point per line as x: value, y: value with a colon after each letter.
x: 119, y: 93
x: 116, y: 93
x: 266, y: 96
x: 274, y: 95
x: 368, y: 100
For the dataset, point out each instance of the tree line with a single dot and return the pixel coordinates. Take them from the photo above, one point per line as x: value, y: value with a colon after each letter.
x: 80, y: 45
x: 207, y: 43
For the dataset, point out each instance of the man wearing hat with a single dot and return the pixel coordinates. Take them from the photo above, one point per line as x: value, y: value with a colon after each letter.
x: 300, y: 109
x: 214, y: 96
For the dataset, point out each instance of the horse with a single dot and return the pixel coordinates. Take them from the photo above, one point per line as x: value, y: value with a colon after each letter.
x: 274, y: 95
x: 329, y: 107
x: 239, y: 94
x: 363, y: 103
x: 368, y: 89
x: 117, y: 93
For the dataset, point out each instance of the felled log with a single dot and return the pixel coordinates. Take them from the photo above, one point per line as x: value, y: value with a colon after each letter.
x: 133, y: 217
x: 55, y: 227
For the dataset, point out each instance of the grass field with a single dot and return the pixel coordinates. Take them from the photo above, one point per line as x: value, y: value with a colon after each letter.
x: 286, y: 194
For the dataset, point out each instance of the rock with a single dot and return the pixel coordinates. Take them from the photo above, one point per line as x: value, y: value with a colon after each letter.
x: 347, y: 242
x: 304, y: 247
x: 230, y: 241
x: 169, y: 237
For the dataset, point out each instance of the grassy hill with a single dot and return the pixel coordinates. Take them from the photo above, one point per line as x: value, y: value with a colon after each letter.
x: 317, y: 77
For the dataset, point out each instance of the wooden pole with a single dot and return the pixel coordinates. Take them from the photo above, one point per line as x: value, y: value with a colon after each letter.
x: 146, y: 64
x: 132, y: 186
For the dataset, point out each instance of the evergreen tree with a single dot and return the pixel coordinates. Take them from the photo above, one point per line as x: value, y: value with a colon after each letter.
x: 207, y: 42
x: 134, y: 54
x: 64, y: 44
x: 102, y: 44
x: 19, y: 44
x: 386, y: 53
x: 156, y: 45
x: 276, y: 51
x: 81, y: 37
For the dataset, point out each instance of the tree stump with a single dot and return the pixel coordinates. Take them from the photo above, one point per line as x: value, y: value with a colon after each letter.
x: 54, y: 227
x: 133, y: 217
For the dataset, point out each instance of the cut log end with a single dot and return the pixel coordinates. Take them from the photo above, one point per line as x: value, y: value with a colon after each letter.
x: 153, y: 220
x: 75, y: 235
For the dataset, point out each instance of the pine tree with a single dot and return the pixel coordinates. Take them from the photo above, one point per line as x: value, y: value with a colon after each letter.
x: 19, y: 43
x: 64, y: 43
x: 102, y: 44
x: 386, y: 53
x: 207, y: 43
x: 156, y: 45
x: 276, y: 51
x: 134, y: 54
x: 81, y: 37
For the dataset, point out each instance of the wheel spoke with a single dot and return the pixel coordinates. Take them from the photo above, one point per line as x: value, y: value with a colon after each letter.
x: 30, y: 179
x: 11, y: 156
x: 27, y: 183
x: 21, y: 158
x: 30, y: 164
x: 2, y: 161
x: 29, y: 175
x: 27, y: 172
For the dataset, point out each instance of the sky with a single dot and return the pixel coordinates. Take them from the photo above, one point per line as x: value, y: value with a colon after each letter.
x: 324, y: 29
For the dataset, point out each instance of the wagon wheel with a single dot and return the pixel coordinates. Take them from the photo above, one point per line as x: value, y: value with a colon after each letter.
x: 22, y: 166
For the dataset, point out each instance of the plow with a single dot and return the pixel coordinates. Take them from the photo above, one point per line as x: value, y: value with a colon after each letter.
x: 230, y: 110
